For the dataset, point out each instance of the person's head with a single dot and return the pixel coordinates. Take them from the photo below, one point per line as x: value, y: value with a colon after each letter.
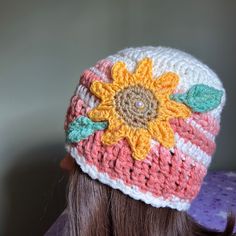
x: 140, y: 134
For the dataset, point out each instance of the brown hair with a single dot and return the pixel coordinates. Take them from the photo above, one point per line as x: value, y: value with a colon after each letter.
x: 95, y: 209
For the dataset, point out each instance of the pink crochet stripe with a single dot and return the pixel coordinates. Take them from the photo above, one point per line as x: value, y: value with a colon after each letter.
x: 162, y: 173
x: 207, y: 122
x: 188, y: 132
x: 77, y: 108
x: 195, y: 170
x: 89, y: 75
x: 104, y: 66
x: 185, y: 130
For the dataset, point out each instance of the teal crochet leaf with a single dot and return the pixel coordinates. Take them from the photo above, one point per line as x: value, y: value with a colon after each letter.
x: 81, y: 128
x: 200, y: 98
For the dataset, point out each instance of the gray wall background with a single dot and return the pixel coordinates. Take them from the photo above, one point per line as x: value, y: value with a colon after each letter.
x: 46, y: 44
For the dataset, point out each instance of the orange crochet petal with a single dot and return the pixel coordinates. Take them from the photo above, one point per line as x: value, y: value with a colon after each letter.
x: 144, y: 70
x: 103, y: 90
x: 101, y: 112
x: 166, y: 84
x: 115, y: 122
x: 177, y: 110
x: 139, y: 140
x: 162, y: 132
x: 113, y: 136
x: 120, y: 74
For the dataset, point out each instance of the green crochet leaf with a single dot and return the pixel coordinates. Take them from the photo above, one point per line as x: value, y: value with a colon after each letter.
x: 81, y: 128
x: 200, y: 98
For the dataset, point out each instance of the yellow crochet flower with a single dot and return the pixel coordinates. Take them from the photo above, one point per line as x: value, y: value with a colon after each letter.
x: 137, y: 107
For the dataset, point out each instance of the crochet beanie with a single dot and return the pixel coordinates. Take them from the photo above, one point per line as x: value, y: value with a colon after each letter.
x: 144, y: 121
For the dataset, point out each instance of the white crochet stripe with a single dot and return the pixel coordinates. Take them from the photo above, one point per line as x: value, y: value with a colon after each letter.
x: 190, y: 70
x: 130, y: 64
x: 192, y: 150
x: 88, y: 98
x: 132, y: 191
x: 176, y: 60
x: 99, y: 74
x: 197, y: 126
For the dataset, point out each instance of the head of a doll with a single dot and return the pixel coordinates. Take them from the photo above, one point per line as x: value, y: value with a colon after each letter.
x: 140, y: 135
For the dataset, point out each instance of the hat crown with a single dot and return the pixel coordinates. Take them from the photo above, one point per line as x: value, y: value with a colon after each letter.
x: 144, y: 121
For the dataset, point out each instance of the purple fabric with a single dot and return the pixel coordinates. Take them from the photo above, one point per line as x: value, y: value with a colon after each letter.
x: 216, y: 197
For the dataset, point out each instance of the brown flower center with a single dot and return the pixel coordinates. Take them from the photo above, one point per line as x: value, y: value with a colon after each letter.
x: 136, y: 105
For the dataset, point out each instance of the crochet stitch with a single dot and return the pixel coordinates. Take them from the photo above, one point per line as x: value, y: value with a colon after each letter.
x: 144, y: 121
x: 82, y: 127
x: 138, y: 124
x: 200, y: 97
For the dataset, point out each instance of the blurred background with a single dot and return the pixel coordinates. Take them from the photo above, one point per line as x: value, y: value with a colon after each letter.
x: 44, y: 47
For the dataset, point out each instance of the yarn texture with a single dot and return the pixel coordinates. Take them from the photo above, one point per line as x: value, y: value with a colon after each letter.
x: 200, y: 97
x: 144, y: 121
x: 82, y: 127
x: 138, y: 124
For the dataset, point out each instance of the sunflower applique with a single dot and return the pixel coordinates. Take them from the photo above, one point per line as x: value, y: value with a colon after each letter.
x: 138, y: 107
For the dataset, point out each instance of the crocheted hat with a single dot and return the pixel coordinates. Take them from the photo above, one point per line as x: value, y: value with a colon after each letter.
x: 144, y: 121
